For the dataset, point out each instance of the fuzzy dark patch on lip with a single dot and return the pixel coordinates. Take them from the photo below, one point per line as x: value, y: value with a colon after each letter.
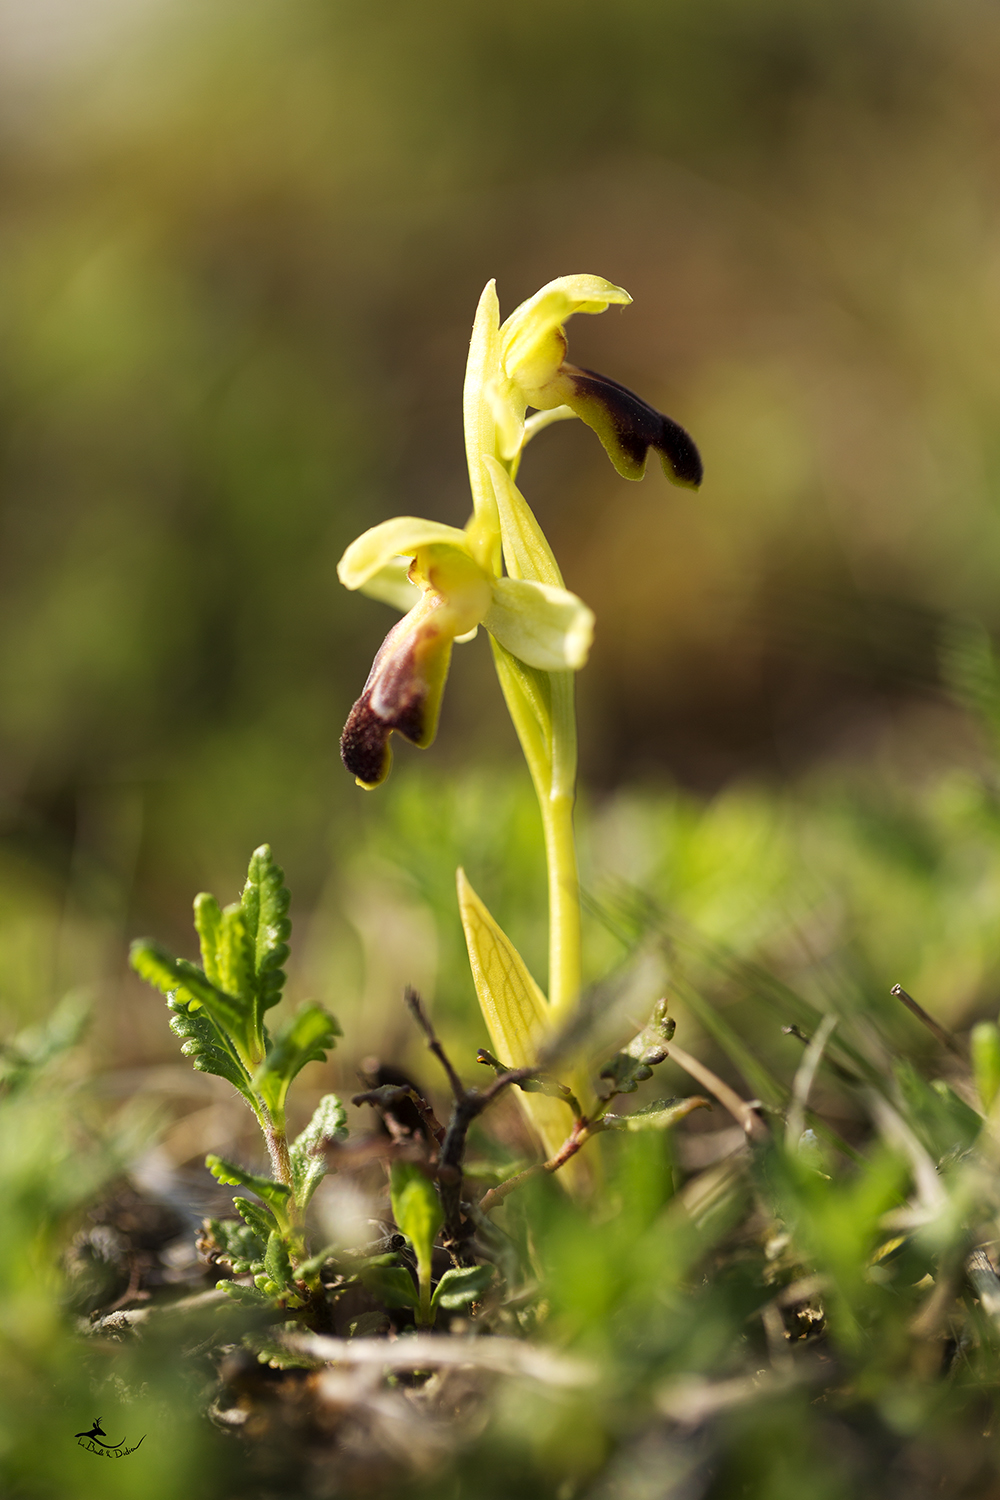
x: 402, y: 696
x: 364, y: 744
x: 626, y: 423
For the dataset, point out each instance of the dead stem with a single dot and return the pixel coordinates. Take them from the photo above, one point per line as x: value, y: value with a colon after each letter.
x: 743, y: 1113
x: 944, y: 1036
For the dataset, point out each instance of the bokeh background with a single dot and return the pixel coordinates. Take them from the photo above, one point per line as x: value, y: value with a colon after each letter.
x: 240, y: 248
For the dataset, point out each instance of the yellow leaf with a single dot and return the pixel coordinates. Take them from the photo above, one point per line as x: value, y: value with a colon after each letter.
x: 514, y: 1009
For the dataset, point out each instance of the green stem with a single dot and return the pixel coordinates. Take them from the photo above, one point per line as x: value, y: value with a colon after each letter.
x: 276, y: 1136
x: 424, y: 1318
x: 541, y: 706
x: 560, y: 852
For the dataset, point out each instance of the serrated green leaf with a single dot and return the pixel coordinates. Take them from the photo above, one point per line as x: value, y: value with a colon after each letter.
x: 660, y: 1115
x: 393, y: 1285
x: 260, y: 1220
x: 274, y: 1194
x: 207, y: 1046
x: 329, y: 1123
x: 236, y: 956
x: 635, y: 1063
x: 457, y: 1288
x: 513, y: 1007
x: 303, y: 1039
x: 269, y: 1352
x: 208, y: 925
x: 235, y: 1242
x: 277, y: 1263
x: 185, y: 981
x: 246, y: 1296
x: 265, y: 903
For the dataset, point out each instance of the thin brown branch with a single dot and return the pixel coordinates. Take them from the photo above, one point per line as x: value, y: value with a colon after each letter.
x: 415, y: 1006
x: 581, y: 1132
x: 742, y: 1112
x: 387, y: 1094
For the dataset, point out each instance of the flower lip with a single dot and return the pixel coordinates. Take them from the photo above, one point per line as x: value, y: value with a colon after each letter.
x: 628, y: 427
x: 402, y: 694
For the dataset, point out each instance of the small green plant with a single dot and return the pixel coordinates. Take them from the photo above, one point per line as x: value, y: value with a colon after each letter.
x: 218, y: 1010
x: 500, y: 572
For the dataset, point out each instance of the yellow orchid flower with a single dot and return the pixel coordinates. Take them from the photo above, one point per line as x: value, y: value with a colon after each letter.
x: 456, y: 590
x: 522, y: 363
x: 449, y: 582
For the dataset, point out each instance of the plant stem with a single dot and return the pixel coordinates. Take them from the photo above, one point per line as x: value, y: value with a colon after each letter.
x: 281, y: 1163
x: 541, y: 707
x: 423, y: 1318
x: 560, y: 852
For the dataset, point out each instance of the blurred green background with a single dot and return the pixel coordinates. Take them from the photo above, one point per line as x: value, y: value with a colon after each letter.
x: 240, y: 249
x: 241, y: 244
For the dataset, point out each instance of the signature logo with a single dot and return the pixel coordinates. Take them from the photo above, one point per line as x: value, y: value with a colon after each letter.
x: 91, y: 1442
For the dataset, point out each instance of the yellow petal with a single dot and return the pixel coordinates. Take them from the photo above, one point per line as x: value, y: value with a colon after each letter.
x: 514, y: 1009
x: 391, y: 585
x: 532, y: 345
x: 402, y: 536
x: 549, y: 628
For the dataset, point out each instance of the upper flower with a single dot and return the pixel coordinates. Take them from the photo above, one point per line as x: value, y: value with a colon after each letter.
x: 522, y: 363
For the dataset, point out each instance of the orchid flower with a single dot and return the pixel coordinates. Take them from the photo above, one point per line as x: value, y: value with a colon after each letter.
x: 543, y: 625
x: 500, y: 572
x: 531, y: 370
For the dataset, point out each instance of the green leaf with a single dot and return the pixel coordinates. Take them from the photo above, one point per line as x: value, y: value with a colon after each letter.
x: 274, y: 1194
x: 259, y: 1219
x: 984, y: 1045
x: 416, y: 1208
x: 235, y: 1244
x: 393, y: 1285
x: 943, y: 1122
x: 207, y: 1046
x: 265, y: 908
x: 246, y: 1296
x: 236, y: 956
x: 208, y: 925
x: 329, y: 1123
x: 303, y: 1039
x: 660, y: 1115
x: 542, y: 1083
x: 635, y: 1063
x: 177, y: 978
x: 457, y: 1288
x: 277, y: 1263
